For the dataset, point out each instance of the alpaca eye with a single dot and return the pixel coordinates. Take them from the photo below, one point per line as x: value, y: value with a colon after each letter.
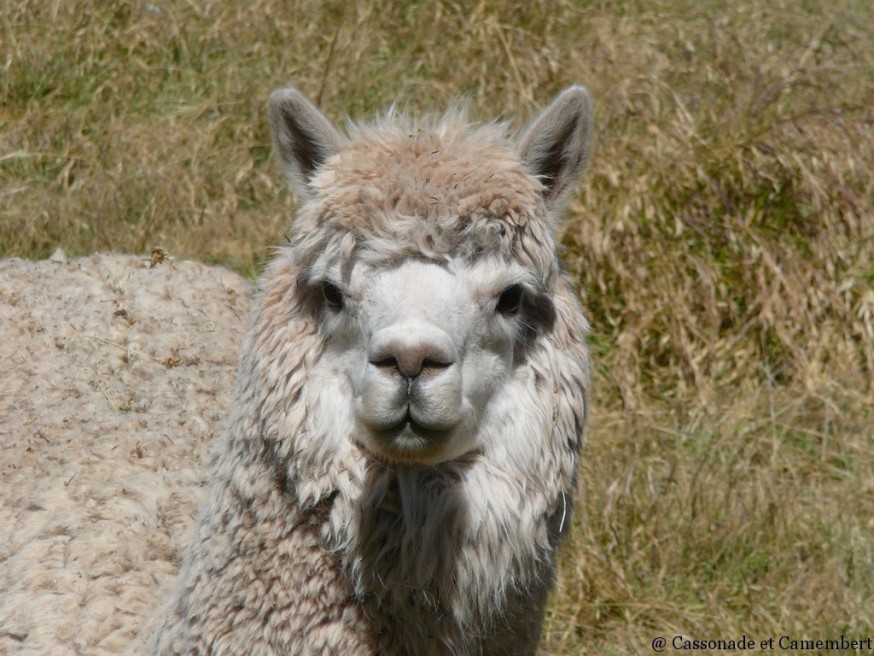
x: 510, y: 300
x: 332, y: 295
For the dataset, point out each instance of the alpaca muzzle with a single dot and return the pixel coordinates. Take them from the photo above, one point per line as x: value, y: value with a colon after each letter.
x: 410, y: 397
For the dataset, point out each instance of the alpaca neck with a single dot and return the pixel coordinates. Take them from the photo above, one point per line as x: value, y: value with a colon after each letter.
x: 421, y: 545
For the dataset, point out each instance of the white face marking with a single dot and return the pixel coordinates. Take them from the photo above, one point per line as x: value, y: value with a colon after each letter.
x: 419, y: 349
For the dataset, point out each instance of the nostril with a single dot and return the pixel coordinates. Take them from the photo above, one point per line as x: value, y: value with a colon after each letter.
x: 431, y: 363
x: 387, y: 362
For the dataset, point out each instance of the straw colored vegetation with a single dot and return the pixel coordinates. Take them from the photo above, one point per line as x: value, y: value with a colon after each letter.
x: 723, y: 241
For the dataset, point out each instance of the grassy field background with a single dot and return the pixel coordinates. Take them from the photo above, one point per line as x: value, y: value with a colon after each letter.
x: 723, y: 241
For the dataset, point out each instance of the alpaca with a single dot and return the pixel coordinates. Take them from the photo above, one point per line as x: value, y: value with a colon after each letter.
x: 399, y: 467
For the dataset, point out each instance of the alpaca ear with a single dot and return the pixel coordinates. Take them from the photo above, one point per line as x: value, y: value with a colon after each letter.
x: 302, y: 136
x: 555, y: 145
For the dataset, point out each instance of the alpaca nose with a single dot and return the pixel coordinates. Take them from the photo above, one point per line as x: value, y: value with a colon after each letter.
x: 412, y: 351
x: 411, y: 363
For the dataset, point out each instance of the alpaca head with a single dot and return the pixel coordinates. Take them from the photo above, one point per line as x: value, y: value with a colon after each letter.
x: 426, y: 256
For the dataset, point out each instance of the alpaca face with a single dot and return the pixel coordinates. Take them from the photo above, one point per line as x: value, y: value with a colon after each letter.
x: 428, y: 250
x: 420, y: 349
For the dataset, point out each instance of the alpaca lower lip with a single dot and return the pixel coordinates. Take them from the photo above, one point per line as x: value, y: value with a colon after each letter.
x: 408, y: 429
x: 406, y: 441
x: 409, y: 442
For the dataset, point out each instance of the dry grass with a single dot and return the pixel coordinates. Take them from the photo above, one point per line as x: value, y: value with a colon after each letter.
x: 755, y: 519
x: 722, y: 239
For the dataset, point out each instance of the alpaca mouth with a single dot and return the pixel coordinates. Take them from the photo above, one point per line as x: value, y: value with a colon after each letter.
x: 408, y: 428
x: 409, y: 441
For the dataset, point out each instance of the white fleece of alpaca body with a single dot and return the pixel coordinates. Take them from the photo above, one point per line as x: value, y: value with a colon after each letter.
x: 115, y: 378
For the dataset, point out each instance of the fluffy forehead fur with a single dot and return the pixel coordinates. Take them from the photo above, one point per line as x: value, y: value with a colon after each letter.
x: 436, y: 188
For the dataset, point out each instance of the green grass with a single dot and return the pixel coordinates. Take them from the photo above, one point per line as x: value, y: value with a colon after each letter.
x: 723, y: 241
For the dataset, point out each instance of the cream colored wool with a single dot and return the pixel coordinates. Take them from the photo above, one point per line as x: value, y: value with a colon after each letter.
x: 115, y: 377
x: 325, y: 535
